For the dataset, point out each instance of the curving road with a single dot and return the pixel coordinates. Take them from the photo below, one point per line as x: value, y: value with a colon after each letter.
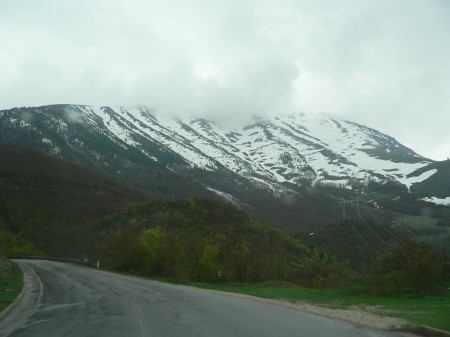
x: 78, y: 301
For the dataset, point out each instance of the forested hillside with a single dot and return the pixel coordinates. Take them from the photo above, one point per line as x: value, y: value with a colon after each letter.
x: 291, y: 171
x: 205, y: 240
x: 51, y: 207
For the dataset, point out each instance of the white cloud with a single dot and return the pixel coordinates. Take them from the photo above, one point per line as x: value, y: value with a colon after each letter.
x: 381, y: 63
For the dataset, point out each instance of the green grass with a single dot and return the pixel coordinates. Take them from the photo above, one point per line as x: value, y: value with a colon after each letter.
x: 11, y: 284
x: 422, y: 222
x: 432, y: 311
x: 379, y: 196
x: 426, y: 229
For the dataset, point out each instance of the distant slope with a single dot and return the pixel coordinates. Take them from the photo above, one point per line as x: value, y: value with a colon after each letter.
x: 60, y: 206
x: 61, y: 132
x: 438, y: 183
x: 66, y: 210
x: 291, y: 171
x: 56, y: 204
x: 285, y: 149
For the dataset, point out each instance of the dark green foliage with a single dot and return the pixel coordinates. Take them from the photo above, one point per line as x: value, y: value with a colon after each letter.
x: 50, y: 205
x: 438, y: 185
x: 11, y: 282
x: 209, y: 241
x: 356, y: 241
x: 318, y: 270
x: 66, y: 131
x: 14, y: 245
x: 389, y: 253
x: 122, y: 250
x: 409, y: 266
x: 389, y: 187
x: 195, y: 239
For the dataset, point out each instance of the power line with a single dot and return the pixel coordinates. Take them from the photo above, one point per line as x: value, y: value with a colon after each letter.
x: 365, y: 241
x: 370, y: 227
x: 358, y: 211
x: 380, y: 223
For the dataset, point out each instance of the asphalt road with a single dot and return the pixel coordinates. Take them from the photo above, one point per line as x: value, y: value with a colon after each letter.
x: 77, y: 301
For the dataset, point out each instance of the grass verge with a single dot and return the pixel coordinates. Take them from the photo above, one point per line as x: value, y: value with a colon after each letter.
x: 432, y: 311
x: 11, y: 283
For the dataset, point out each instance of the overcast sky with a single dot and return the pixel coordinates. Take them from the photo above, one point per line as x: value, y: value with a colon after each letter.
x: 382, y: 63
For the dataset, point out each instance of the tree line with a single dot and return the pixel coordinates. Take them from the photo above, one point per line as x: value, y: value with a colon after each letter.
x: 52, y: 207
x: 208, y: 241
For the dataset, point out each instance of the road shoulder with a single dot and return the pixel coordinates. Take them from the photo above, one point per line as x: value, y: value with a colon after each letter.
x: 18, y: 312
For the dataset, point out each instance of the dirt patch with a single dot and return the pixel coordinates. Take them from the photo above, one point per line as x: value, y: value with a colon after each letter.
x: 359, y: 314
x: 363, y: 314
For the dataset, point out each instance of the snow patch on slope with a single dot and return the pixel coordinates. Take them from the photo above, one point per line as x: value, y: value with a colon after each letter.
x: 437, y: 201
x: 226, y: 196
x: 114, y: 127
x: 282, y: 150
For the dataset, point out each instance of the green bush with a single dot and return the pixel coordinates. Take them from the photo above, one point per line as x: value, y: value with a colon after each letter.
x: 409, y: 266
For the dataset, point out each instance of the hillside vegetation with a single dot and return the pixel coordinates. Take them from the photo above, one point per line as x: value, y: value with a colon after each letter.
x: 52, y: 207
x: 291, y: 172
x: 205, y: 240
x: 11, y: 282
x: 438, y: 185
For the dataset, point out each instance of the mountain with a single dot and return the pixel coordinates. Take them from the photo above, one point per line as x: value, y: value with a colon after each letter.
x: 54, y: 206
x: 51, y: 207
x: 291, y: 171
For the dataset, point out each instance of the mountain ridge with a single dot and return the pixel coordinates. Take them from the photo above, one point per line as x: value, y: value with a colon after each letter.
x: 238, y: 148
x: 280, y: 162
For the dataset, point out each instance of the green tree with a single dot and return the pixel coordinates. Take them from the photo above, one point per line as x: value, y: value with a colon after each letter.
x: 409, y: 266
x: 150, y: 246
x: 209, y: 263
x: 121, y: 250
x: 241, y: 263
x: 317, y: 270
x: 13, y: 245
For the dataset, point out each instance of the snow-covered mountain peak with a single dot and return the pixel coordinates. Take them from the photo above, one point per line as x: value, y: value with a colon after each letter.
x: 295, y: 149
